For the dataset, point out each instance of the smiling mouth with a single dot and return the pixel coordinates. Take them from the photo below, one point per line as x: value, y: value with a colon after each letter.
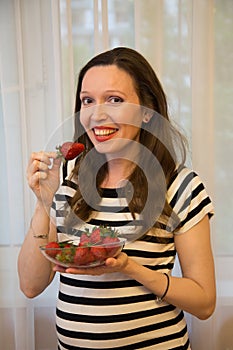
x: 104, y: 132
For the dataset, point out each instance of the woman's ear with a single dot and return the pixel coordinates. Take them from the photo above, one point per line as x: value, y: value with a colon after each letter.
x: 147, y: 116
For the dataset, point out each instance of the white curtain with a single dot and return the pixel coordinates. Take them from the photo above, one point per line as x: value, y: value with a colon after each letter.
x: 43, y: 44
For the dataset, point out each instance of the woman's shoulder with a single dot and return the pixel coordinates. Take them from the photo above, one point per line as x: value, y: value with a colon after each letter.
x: 185, y: 184
x: 188, y: 197
x: 181, y: 177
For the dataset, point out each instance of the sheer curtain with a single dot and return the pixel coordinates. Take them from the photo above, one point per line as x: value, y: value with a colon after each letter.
x: 43, y: 44
x: 30, y: 109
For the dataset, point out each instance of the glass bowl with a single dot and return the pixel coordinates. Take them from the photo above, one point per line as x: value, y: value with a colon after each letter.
x: 68, y: 254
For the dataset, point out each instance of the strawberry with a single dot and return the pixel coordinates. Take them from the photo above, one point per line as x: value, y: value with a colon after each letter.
x: 112, y: 249
x: 110, y: 240
x: 84, y: 239
x: 83, y: 256
x: 95, y: 236
x: 90, y: 257
x: 52, y: 250
x: 99, y: 252
x: 69, y: 150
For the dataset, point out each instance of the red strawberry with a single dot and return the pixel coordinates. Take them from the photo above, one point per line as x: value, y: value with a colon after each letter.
x: 70, y: 150
x: 99, y: 252
x: 90, y: 257
x: 95, y: 236
x: 52, y: 250
x: 83, y: 256
x: 84, y: 239
x: 112, y: 249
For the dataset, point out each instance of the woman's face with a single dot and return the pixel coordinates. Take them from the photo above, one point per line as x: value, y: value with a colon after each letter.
x: 110, y: 109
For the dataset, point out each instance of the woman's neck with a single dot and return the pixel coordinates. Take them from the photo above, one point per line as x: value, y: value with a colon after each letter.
x: 119, y: 171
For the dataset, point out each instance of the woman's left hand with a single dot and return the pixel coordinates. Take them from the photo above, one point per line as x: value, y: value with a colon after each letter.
x: 111, y: 265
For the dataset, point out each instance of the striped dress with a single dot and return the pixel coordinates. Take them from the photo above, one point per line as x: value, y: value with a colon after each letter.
x: 113, y: 311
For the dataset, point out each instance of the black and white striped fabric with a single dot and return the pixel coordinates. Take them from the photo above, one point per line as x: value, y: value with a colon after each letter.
x: 113, y: 311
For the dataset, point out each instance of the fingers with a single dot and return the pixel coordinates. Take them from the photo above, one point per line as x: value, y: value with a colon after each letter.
x: 93, y: 271
x: 43, y: 157
x: 116, y: 264
x: 58, y: 268
x: 37, y: 165
x: 42, y: 166
x: 37, y: 168
x: 41, y: 162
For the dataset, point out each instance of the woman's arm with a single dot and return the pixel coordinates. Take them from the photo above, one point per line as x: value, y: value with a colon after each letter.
x: 195, y: 292
x: 34, y: 270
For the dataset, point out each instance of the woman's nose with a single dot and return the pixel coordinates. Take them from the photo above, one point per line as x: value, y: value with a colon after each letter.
x: 96, y: 113
x: 99, y: 112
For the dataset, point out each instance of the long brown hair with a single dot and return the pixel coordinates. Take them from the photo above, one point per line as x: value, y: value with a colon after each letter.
x: 164, y: 142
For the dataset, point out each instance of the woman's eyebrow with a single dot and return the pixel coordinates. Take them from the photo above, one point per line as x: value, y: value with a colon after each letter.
x: 106, y: 91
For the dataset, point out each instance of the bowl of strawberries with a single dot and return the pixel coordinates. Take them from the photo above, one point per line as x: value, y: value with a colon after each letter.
x: 89, y: 250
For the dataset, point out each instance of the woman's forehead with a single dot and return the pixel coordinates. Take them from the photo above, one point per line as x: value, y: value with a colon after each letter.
x: 107, y: 78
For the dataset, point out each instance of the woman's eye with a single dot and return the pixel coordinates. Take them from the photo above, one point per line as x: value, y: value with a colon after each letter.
x: 86, y: 101
x: 115, y: 99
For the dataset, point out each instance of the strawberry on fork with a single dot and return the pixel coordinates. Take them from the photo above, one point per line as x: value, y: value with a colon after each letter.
x: 69, y: 150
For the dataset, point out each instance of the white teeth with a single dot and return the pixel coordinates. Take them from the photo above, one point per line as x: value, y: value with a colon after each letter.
x: 104, y: 132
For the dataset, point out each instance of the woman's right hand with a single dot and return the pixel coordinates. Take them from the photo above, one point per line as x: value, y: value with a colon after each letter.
x: 43, y: 175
